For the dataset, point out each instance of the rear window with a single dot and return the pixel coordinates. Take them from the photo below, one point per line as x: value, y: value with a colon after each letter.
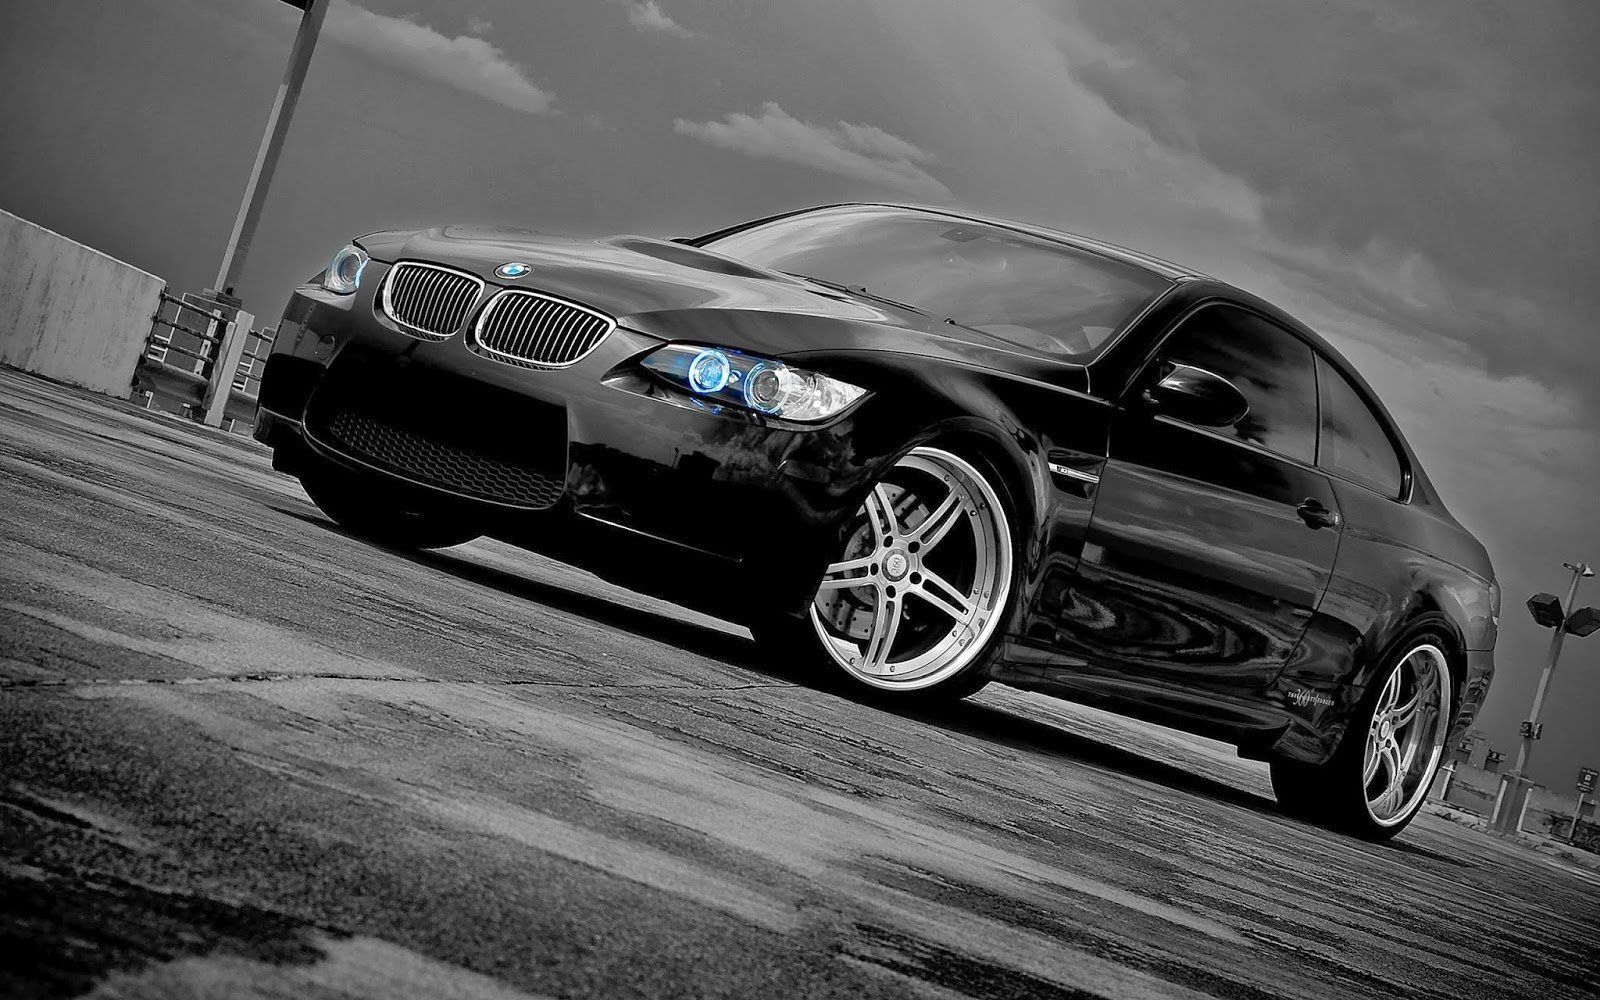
x: 1354, y: 444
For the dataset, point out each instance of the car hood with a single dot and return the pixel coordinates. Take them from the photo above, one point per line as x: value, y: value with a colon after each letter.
x: 679, y: 292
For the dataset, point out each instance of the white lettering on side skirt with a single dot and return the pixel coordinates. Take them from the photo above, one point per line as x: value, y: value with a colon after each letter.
x: 1302, y: 697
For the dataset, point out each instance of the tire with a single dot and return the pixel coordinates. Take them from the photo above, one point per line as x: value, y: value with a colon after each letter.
x: 1377, y: 780
x: 912, y: 608
x: 362, y: 510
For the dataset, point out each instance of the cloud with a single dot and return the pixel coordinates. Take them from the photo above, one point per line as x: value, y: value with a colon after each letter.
x: 647, y: 15
x: 464, y: 62
x: 479, y: 25
x: 864, y: 152
x: 1399, y: 147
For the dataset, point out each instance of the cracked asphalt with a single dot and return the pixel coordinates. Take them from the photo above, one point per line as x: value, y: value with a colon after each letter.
x: 243, y: 754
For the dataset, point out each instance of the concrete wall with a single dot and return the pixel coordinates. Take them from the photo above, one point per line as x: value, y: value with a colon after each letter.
x: 1550, y: 812
x: 69, y: 312
x: 1473, y: 789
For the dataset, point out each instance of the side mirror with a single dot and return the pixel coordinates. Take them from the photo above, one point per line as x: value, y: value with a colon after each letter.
x: 1197, y: 396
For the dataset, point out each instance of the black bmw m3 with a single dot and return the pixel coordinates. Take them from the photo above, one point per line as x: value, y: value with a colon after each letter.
x: 923, y: 451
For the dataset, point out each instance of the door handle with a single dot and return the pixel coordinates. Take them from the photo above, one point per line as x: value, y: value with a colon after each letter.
x: 1315, y: 515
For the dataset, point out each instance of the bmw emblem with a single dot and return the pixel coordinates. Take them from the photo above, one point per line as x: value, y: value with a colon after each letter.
x: 514, y: 269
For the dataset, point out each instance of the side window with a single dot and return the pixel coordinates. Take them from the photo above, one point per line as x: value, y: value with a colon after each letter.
x: 1273, y: 368
x: 1354, y: 443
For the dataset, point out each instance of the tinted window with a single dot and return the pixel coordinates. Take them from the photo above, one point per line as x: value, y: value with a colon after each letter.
x: 1023, y: 291
x: 1273, y: 368
x: 1354, y: 443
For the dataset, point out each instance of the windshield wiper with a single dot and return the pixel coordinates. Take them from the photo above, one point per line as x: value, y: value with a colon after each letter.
x: 860, y: 290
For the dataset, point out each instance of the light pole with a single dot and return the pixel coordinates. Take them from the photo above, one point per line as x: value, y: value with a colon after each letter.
x: 255, y: 192
x: 1553, y: 614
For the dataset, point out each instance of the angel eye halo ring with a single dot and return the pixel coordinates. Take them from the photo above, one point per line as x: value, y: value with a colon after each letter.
x: 724, y: 375
x: 343, y: 275
x: 709, y: 372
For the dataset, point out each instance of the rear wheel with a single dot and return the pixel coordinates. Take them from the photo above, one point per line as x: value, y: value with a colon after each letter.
x: 1377, y: 780
x: 360, y: 509
x: 912, y: 604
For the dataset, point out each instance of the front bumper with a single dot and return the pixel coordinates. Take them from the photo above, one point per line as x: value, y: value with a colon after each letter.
x: 760, y: 497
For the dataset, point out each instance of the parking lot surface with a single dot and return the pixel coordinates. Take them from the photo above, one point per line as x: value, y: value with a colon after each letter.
x: 245, y: 754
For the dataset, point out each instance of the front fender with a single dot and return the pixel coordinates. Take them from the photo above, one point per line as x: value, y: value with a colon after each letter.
x: 1015, y: 425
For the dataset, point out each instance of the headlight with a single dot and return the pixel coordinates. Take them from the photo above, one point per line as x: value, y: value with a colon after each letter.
x: 343, y: 275
x: 724, y: 375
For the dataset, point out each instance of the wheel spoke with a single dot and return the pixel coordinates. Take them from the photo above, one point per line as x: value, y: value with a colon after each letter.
x: 885, y: 625
x: 1391, y: 760
x: 1388, y: 803
x: 1389, y: 800
x: 880, y: 513
x: 937, y: 591
x: 1402, y: 715
x: 1410, y: 755
x: 1370, y: 768
x: 847, y: 574
x: 938, y: 522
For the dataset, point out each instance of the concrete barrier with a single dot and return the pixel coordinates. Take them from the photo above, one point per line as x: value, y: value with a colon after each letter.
x: 69, y: 312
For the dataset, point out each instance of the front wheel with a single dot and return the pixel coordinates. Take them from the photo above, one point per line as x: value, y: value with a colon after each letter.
x: 1376, y: 782
x: 372, y: 515
x: 913, y: 602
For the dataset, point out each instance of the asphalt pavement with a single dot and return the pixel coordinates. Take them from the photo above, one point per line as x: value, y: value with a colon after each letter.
x: 245, y: 754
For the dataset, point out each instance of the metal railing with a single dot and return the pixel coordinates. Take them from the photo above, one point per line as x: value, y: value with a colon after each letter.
x: 202, y: 360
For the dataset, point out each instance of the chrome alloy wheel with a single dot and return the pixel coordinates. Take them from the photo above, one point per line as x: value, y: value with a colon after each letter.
x: 923, y: 578
x: 1406, y: 735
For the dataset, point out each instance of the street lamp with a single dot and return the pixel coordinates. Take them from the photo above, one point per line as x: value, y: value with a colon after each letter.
x: 1549, y: 613
x: 255, y: 192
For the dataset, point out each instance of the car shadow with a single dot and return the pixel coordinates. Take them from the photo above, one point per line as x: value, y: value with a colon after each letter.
x: 687, y: 635
x: 971, y: 719
x: 1020, y: 732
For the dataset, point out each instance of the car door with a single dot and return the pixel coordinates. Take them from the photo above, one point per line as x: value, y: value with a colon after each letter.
x: 1209, y: 547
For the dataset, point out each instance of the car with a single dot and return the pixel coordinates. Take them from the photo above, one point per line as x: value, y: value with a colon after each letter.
x: 920, y: 451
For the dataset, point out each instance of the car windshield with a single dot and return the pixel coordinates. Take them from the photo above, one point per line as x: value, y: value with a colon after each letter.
x: 1033, y: 293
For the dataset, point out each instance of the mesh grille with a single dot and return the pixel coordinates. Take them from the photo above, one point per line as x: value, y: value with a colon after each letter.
x: 414, y: 455
x: 428, y: 301
x: 536, y: 330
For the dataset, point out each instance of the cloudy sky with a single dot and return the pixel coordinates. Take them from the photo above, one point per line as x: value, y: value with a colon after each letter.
x: 1421, y: 186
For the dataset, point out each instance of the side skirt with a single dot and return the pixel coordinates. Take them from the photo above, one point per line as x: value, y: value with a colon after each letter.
x: 1282, y: 721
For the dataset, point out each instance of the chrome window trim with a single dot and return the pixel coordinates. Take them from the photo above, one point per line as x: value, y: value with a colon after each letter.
x: 417, y: 331
x: 505, y: 294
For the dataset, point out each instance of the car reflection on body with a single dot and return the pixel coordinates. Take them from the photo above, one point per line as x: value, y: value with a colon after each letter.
x: 924, y: 451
